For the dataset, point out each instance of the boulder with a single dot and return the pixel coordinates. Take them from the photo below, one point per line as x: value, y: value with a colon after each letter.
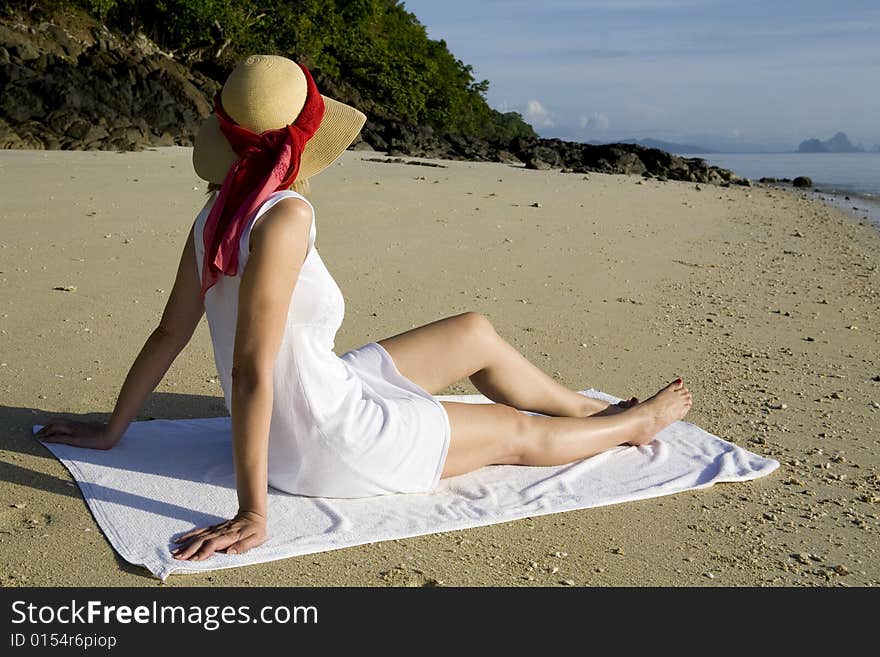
x: 535, y: 162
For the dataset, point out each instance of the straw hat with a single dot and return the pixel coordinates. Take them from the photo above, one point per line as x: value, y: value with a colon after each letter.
x: 267, y: 92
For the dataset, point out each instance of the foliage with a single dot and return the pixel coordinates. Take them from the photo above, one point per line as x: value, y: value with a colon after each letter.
x: 374, y: 47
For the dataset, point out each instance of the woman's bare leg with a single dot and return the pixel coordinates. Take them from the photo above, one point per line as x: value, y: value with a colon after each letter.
x: 440, y: 353
x: 487, y: 434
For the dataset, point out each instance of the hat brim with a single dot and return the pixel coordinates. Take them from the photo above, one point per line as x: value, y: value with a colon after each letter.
x: 212, y: 155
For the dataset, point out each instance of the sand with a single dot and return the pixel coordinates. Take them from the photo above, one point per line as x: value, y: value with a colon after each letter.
x: 764, y: 300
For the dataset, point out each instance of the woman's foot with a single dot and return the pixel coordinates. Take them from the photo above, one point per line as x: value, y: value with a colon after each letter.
x: 668, y: 405
x: 619, y: 407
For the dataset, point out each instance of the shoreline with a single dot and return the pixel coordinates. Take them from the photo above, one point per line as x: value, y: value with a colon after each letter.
x: 867, y: 208
x: 764, y: 300
x: 867, y: 202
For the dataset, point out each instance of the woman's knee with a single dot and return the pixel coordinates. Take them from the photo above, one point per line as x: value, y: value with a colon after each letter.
x: 477, y: 325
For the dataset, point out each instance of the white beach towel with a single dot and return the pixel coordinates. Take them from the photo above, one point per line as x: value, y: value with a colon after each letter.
x: 169, y: 476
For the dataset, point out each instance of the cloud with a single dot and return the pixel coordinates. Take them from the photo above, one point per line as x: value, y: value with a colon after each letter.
x: 594, y: 121
x: 537, y: 114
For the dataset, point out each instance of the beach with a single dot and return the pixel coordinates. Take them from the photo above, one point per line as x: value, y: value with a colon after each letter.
x: 764, y: 300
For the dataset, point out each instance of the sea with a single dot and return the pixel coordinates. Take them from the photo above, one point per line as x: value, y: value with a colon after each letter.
x: 847, y: 180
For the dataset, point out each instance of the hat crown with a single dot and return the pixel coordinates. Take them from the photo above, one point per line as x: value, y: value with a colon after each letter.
x: 264, y: 92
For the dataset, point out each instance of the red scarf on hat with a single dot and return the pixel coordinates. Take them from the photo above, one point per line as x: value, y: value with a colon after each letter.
x: 267, y: 162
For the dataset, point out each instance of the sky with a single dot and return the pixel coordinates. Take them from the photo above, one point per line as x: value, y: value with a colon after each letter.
x: 768, y: 73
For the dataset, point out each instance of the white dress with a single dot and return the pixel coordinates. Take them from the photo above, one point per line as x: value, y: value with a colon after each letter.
x: 342, y: 426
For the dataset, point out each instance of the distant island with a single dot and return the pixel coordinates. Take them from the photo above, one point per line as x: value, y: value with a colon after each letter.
x: 668, y: 146
x: 839, y: 143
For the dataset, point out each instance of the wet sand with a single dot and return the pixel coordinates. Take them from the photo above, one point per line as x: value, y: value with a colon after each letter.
x: 764, y: 300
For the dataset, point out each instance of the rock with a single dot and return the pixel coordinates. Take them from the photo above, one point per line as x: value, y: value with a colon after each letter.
x: 63, y: 93
x: 507, y: 157
x: 68, y: 45
x: 802, y: 181
x: 803, y: 558
x: 537, y: 164
x: 24, y: 51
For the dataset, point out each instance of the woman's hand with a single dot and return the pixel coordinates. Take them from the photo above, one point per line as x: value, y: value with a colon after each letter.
x: 94, y: 435
x: 245, y: 531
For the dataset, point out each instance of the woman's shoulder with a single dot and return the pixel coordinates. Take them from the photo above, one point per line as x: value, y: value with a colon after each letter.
x: 290, y: 203
x: 286, y: 206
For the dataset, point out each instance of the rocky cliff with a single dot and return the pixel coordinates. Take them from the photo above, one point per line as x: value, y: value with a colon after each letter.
x: 74, y: 84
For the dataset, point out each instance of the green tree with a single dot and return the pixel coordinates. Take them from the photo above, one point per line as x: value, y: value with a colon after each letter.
x: 375, y: 49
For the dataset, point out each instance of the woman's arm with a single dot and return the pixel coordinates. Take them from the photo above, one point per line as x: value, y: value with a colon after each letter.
x: 182, y: 314
x: 278, y: 248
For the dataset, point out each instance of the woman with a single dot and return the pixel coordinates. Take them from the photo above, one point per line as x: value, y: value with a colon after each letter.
x: 305, y: 420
